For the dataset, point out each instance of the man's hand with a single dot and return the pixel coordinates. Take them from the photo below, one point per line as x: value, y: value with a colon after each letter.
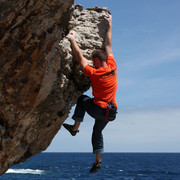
x: 79, y: 56
x: 71, y: 36
x: 108, y: 19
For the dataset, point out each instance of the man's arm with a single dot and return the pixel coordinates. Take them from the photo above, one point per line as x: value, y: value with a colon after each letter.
x: 78, y: 54
x: 108, y: 39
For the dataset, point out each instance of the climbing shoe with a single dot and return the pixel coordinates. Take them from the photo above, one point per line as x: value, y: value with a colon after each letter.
x: 96, y: 166
x: 70, y: 129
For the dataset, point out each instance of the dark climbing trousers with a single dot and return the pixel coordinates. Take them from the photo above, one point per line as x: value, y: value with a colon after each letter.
x: 85, y: 104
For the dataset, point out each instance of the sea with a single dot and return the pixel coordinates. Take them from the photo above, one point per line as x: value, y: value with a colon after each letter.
x: 115, y: 166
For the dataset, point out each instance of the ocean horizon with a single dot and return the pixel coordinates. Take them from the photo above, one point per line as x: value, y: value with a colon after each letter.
x: 76, y: 165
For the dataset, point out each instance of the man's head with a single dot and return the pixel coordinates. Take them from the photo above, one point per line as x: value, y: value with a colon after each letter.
x: 100, y: 54
x: 99, y: 58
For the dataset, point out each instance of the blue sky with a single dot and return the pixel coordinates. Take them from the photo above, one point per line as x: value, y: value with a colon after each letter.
x: 146, y: 46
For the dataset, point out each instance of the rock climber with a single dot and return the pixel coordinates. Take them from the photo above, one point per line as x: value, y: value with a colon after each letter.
x: 103, y: 79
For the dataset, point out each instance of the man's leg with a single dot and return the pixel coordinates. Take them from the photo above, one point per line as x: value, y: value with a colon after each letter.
x: 79, y: 113
x: 97, y: 143
x: 76, y: 125
x: 98, y: 157
x: 97, y: 136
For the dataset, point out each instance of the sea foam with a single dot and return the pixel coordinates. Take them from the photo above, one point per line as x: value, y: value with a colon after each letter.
x: 25, y: 171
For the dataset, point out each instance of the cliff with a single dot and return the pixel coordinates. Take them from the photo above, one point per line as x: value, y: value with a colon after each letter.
x: 40, y: 79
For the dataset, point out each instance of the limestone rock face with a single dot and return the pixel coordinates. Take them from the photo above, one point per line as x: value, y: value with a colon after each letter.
x: 40, y: 79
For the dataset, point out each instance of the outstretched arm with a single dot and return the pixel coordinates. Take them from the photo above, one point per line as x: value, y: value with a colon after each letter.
x: 108, y: 39
x: 78, y: 54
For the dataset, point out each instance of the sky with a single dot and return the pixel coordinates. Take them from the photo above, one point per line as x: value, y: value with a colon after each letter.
x: 146, y: 47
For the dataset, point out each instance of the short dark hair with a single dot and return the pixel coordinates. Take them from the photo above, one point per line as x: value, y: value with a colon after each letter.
x: 100, y: 54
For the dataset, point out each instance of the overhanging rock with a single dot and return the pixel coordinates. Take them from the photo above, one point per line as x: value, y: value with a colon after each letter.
x: 40, y: 79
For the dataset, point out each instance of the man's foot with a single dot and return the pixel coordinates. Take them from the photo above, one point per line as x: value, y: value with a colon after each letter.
x: 70, y: 129
x: 96, y: 166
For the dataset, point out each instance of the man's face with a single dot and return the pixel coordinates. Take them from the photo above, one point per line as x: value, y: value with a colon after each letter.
x: 95, y: 62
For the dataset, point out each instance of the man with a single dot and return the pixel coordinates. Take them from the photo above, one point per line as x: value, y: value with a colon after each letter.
x: 103, y: 80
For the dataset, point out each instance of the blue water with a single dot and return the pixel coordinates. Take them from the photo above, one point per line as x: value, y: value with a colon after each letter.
x: 74, y: 166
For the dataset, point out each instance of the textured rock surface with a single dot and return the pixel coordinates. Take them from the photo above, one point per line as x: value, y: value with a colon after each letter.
x: 40, y: 80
